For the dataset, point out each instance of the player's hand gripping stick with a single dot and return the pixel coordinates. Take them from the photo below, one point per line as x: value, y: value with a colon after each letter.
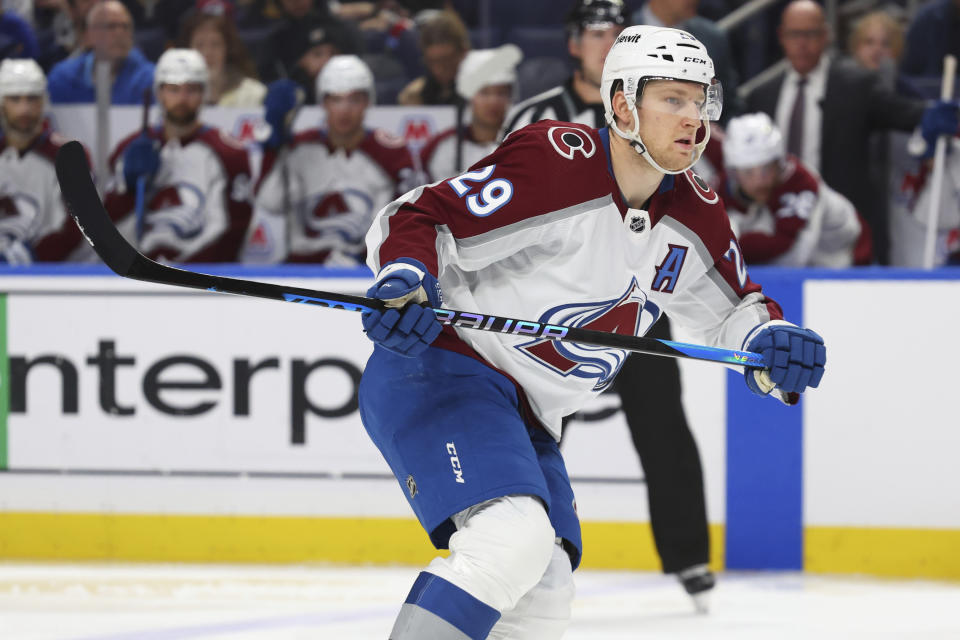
x: 408, y: 325
x: 794, y: 360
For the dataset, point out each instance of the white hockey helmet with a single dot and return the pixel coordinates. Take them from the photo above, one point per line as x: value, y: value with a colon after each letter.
x: 181, y: 66
x: 22, y: 77
x: 487, y: 67
x: 645, y: 52
x: 752, y: 140
x: 344, y: 74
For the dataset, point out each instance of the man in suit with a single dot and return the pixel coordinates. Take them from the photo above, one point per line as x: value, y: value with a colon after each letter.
x: 828, y: 108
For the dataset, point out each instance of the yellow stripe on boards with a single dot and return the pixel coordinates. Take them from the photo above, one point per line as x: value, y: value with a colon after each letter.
x: 906, y: 553
x: 187, y: 538
x: 629, y: 545
x: 927, y: 553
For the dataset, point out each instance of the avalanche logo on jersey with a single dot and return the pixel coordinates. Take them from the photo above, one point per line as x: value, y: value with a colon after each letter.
x: 630, y: 314
x: 178, y: 207
x: 18, y: 213
x: 568, y: 141
x: 347, y: 212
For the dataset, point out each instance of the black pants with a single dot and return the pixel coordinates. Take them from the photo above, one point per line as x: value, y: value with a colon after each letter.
x: 649, y: 388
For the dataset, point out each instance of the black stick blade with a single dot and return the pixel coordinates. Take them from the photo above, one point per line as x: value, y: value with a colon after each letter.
x: 83, y: 203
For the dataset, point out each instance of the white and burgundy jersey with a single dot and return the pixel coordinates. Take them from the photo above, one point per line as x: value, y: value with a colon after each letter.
x: 439, y: 156
x: 197, y: 208
x: 539, y: 231
x: 314, y: 202
x: 916, y: 193
x: 803, y: 223
x: 31, y: 207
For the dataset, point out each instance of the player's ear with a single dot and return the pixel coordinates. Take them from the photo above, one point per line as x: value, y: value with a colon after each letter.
x: 622, y: 110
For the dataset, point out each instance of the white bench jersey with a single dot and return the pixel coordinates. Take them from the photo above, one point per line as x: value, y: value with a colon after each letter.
x: 197, y: 208
x: 314, y: 202
x: 31, y: 207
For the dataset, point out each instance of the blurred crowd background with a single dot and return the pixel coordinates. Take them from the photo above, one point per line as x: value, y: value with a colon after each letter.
x: 890, y: 54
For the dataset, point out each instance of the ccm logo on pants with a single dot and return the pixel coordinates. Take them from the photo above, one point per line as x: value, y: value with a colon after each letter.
x: 455, y: 463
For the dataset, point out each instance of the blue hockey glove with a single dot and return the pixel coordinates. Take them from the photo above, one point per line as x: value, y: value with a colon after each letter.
x: 941, y: 118
x: 141, y: 158
x: 408, y: 326
x: 794, y: 359
x: 281, y: 104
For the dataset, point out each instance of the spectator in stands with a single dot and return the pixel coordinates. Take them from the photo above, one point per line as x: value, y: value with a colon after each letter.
x: 828, y: 109
x: 783, y: 213
x: 682, y: 14
x: 876, y: 43
x: 33, y: 222
x: 488, y: 110
x: 444, y: 42
x: 65, y: 22
x: 17, y: 39
x: 934, y: 32
x: 110, y: 35
x: 233, y: 80
x: 306, y: 38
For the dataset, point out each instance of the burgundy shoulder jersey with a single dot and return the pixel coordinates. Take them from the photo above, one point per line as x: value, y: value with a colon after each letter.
x: 314, y: 202
x: 539, y: 230
x: 197, y: 208
x: 31, y: 207
x: 803, y: 223
x: 439, y: 156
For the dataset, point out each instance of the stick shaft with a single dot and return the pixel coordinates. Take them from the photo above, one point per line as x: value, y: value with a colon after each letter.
x: 85, y: 206
x: 939, y: 160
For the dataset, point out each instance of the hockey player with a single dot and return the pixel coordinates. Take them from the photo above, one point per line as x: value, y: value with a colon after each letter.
x: 195, y: 179
x: 648, y: 386
x: 316, y: 199
x: 783, y: 211
x: 488, y: 108
x: 33, y: 222
x: 566, y: 224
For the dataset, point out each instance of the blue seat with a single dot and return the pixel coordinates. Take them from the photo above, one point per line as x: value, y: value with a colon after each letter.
x: 481, y: 38
x: 151, y: 42
x: 539, y: 41
x: 389, y: 77
x: 537, y: 74
x: 254, y: 37
x: 542, y: 13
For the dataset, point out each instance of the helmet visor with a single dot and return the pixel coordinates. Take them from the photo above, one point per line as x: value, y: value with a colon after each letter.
x: 682, y: 98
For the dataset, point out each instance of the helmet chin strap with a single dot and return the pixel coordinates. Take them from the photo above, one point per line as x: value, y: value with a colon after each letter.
x: 637, y: 143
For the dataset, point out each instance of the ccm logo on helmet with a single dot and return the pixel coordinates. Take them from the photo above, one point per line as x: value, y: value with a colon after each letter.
x: 695, y: 60
x: 569, y: 141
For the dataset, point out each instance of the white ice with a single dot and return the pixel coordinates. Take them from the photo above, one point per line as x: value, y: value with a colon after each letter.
x: 166, y: 602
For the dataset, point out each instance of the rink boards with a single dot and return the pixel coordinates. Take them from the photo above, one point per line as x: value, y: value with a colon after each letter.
x: 149, y: 423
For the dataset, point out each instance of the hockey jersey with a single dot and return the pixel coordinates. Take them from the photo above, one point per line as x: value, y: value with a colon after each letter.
x: 803, y: 223
x: 197, y: 208
x: 31, y: 207
x: 314, y: 202
x: 439, y: 156
x: 539, y: 230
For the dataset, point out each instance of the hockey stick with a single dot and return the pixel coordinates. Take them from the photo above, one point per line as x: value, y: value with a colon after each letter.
x: 87, y: 210
x: 936, y: 175
x: 139, y: 202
